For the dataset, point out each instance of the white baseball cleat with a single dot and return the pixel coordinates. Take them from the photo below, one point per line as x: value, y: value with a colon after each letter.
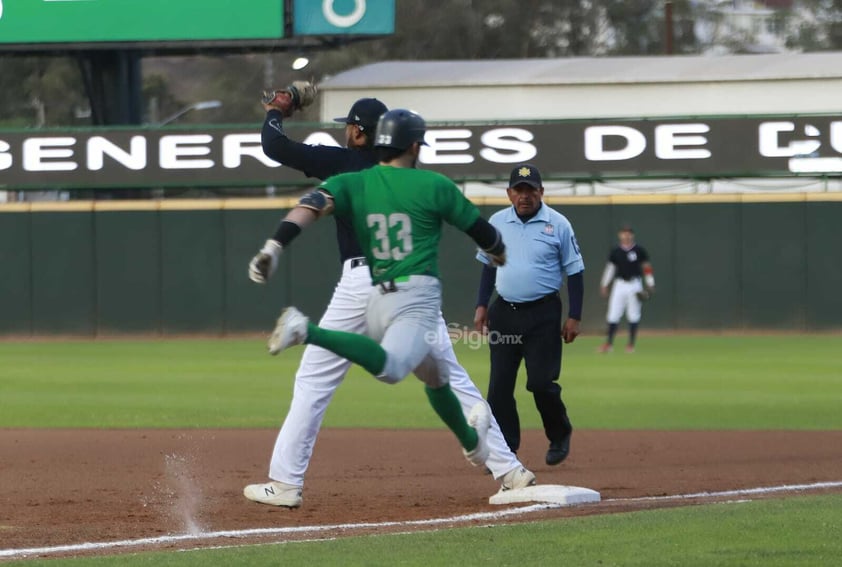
x: 274, y: 493
x: 479, y: 419
x: 519, y: 477
x: 290, y: 330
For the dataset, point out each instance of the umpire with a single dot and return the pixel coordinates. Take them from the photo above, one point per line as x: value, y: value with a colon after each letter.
x: 525, y: 321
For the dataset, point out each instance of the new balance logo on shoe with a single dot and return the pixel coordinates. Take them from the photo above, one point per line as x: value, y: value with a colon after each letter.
x: 274, y: 493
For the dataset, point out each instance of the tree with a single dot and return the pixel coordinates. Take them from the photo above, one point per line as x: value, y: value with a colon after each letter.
x: 40, y: 91
x: 487, y: 29
x: 815, y: 25
x: 637, y: 26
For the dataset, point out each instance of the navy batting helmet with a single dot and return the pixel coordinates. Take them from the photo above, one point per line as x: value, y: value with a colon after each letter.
x: 399, y: 129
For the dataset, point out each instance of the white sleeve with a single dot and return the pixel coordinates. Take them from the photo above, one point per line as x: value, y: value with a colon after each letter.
x: 608, y: 274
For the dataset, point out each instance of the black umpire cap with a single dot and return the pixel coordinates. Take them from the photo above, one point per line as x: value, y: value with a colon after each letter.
x: 525, y: 173
x: 365, y: 113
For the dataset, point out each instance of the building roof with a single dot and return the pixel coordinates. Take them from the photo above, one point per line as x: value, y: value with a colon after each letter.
x: 590, y: 70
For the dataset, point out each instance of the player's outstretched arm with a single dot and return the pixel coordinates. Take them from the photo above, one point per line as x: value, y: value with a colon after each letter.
x: 309, y: 209
x: 489, y: 240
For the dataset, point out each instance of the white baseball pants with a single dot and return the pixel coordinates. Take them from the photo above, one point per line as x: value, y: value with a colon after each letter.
x: 623, y: 299
x: 404, y: 322
x: 320, y: 372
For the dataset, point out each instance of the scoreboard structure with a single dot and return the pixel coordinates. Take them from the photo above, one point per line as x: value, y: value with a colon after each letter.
x: 110, y: 37
x: 51, y: 25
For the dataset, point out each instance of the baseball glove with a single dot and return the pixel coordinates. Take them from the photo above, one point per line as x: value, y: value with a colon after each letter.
x: 643, y: 295
x: 294, y: 97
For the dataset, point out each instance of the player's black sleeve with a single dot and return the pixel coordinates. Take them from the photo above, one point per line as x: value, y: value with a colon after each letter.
x: 486, y: 236
x: 575, y: 295
x: 286, y: 233
x: 486, y: 285
x: 320, y: 162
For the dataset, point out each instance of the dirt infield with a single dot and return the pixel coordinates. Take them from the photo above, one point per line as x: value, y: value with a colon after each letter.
x: 60, y: 487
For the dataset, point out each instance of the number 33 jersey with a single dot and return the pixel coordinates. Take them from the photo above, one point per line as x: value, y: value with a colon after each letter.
x: 397, y: 215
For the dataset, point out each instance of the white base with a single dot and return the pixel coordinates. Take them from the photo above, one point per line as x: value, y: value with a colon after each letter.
x: 551, y: 493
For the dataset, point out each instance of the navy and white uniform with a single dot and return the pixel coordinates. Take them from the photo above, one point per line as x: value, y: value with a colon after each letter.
x: 628, y: 281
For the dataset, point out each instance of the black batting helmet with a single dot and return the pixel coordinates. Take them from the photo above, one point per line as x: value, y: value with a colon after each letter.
x: 399, y: 129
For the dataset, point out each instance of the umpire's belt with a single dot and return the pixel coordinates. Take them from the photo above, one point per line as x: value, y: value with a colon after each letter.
x: 523, y: 305
x: 389, y: 286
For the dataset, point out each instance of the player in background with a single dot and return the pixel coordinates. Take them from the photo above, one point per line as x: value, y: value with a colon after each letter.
x: 631, y: 280
x: 321, y: 371
x: 396, y: 211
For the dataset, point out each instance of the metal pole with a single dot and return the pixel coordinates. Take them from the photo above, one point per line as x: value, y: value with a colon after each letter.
x: 668, y: 27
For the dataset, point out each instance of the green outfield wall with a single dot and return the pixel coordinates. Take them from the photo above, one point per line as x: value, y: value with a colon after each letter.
x: 166, y: 268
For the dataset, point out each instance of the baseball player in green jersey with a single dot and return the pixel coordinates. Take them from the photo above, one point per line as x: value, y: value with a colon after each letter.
x: 397, y: 213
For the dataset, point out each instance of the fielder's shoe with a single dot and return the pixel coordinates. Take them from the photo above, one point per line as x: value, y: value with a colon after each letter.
x: 274, y: 493
x: 606, y: 348
x: 519, y: 477
x: 479, y: 419
x: 629, y: 349
x: 290, y: 330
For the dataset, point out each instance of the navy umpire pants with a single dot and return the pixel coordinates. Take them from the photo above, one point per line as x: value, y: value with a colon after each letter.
x: 531, y: 332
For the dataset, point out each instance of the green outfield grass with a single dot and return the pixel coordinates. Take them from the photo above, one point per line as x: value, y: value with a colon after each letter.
x: 671, y: 382
x: 771, y: 533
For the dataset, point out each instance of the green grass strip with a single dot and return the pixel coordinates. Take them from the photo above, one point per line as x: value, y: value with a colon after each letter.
x: 767, y: 533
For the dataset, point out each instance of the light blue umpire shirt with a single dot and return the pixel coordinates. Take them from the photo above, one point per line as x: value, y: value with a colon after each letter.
x: 536, y: 254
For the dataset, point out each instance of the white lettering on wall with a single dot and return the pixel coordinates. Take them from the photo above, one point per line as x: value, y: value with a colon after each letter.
x: 441, y: 141
x: 514, y: 141
x: 635, y: 143
x: 669, y: 139
x: 321, y: 139
x: 235, y: 146
x: 39, y: 153
x: 6, y: 160
x: 769, y: 140
x: 99, y: 147
x: 174, y: 149
x: 836, y: 136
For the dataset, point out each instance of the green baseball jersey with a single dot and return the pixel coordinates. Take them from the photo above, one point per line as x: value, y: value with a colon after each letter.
x: 397, y: 215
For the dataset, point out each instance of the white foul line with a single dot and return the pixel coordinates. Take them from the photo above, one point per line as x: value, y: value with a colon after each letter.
x: 726, y: 493
x: 268, y: 531
x: 482, y: 516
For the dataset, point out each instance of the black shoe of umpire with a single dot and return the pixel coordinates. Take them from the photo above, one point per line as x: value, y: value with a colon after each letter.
x: 559, y: 450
